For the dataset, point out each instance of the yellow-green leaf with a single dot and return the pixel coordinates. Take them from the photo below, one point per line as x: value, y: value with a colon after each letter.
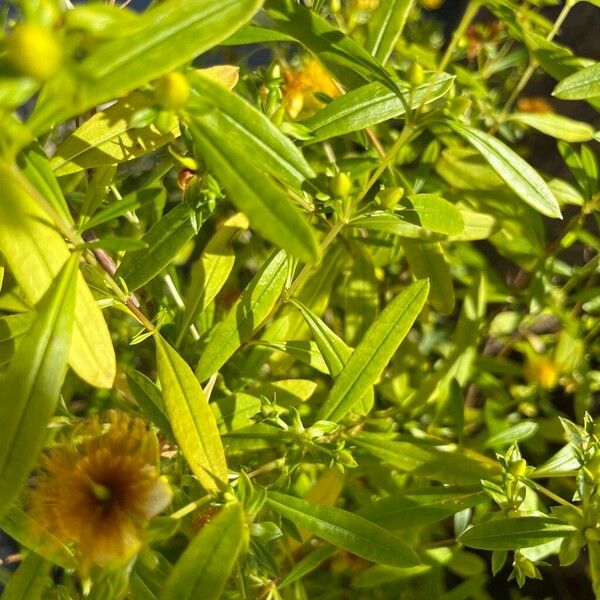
x: 205, y: 565
x: 31, y: 386
x: 35, y: 253
x: 245, y: 316
x: 374, y: 351
x: 191, y: 418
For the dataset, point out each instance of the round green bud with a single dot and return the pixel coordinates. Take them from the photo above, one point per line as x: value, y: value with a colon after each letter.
x: 415, y: 73
x: 340, y: 185
x: 172, y: 90
x: 390, y: 197
x: 165, y: 121
x: 34, y: 50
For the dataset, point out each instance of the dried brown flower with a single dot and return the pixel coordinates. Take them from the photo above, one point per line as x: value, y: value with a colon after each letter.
x: 98, y: 490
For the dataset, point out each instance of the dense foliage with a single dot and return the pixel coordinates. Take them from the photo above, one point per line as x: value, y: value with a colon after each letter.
x: 286, y: 312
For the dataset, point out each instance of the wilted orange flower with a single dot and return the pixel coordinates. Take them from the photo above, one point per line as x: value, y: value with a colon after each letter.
x: 302, y: 84
x: 534, y: 104
x: 98, y: 490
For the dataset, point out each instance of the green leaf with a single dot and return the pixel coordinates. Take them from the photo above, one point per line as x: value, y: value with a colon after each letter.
x: 35, y: 253
x: 520, y: 177
x: 371, y: 104
x: 415, y: 217
x: 205, y: 565
x: 361, y: 295
x: 385, y: 27
x: 304, y: 351
x: 581, y: 85
x: 129, y: 203
x: 150, y: 400
x: 191, y: 418
x: 164, y: 240
x: 173, y: 33
x: 557, y: 126
x: 36, y: 167
x: 516, y: 433
x: 417, y: 508
x: 308, y: 564
x: 446, y: 464
x: 374, y: 351
x: 344, y: 530
x: 108, y: 138
x: 234, y: 411
x: 245, y: 316
x: 33, y: 381
x: 558, y: 61
x: 426, y: 260
x: 254, y: 134
x: 334, y: 350
x: 23, y: 528
x: 270, y: 210
x: 12, y: 327
x: 29, y: 580
x: 511, y: 534
x: 210, y: 272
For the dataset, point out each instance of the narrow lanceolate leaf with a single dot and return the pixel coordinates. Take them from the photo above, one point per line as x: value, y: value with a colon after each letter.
x: 512, y: 534
x: 344, y: 530
x: 270, y: 210
x: 191, y: 418
x: 36, y: 167
x: 210, y: 272
x: 35, y: 253
x: 371, y: 104
x: 557, y: 126
x: 581, y: 85
x: 150, y: 400
x: 29, y: 580
x: 254, y: 134
x: 426, y: 260
x: 164, y: 240
x: 109, y: 138
x: 518, y: 175
x: 30, y: 534
x: 417, y: 508
x: 374, y: 351
x: 334, y: 350
x: 173, y: 34
x: 204, y: 567
x: 385, y: 27
x: 31, y: 386
x: 245, y: 316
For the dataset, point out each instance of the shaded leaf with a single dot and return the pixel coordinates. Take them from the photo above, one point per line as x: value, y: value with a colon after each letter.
x: 29, y: 580
x: 512, y: 534
x: 205, y: 565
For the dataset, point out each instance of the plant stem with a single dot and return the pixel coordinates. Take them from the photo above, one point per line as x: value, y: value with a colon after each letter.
x: 530, y: 70
x: 469, y: 14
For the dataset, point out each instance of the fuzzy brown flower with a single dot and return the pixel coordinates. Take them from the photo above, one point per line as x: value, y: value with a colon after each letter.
x: 98, y: 490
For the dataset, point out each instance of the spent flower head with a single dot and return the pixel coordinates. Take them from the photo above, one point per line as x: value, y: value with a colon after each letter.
x: 97, y: 490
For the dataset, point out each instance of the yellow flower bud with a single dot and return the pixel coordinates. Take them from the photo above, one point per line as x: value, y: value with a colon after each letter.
x: 172, y: 90
x: 34, y: 51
